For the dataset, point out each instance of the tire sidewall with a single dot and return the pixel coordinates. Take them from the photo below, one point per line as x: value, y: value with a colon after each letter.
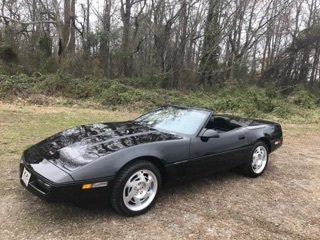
x: 250, y: 171
x: 123, y: 177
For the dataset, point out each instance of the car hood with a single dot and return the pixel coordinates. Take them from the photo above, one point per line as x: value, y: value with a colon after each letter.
x: 78, y: 146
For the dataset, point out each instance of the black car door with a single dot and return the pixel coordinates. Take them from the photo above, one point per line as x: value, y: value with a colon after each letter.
x: 216, y: 154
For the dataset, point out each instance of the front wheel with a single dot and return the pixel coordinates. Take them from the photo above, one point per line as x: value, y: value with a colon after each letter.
x: 135, y: 189
x: 258, y: 161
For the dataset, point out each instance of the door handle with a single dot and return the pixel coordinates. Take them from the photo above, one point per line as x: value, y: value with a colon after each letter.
x: 241, y: 137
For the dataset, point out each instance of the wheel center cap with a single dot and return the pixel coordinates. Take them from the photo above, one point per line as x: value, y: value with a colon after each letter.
x: 140, y: 193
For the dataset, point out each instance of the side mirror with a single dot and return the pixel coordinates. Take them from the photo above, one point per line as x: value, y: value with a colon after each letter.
x: 210, y: 133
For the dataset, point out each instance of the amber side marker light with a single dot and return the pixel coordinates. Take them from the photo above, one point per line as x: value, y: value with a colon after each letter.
x: 87, y: 186
x: 94, y: 185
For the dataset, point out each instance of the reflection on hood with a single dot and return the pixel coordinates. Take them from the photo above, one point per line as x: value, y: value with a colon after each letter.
x: 76, y: 147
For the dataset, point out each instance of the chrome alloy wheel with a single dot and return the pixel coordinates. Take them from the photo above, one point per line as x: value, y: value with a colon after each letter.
x: 140, y: 190
x: 259, y: 159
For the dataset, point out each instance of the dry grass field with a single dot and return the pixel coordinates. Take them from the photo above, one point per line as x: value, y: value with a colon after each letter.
x: 284, y: 203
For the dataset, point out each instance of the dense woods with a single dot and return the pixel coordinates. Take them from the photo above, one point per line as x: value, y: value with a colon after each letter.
x: 177, y: 43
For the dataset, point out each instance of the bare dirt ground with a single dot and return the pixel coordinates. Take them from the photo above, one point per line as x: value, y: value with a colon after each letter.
x: 284, y: 203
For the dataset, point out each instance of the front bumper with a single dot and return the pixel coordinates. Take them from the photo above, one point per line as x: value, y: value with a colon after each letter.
x: 70, y: 192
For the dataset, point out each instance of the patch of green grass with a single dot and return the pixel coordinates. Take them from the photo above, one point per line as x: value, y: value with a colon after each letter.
x: 21, y: 126
x: 135, y: 94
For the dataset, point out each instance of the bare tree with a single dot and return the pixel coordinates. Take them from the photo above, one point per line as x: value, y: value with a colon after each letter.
x: 69, y: 26
x: 180, y: 42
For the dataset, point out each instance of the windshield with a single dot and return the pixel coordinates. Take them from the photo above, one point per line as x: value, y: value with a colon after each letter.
x: 174, y: 119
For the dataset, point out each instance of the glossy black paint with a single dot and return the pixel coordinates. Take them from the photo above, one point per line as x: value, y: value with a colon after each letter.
x: 76, y: 147
x: 96, y: 152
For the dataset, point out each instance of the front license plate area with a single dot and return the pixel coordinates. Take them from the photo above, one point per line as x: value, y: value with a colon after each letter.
x: 25, y: 177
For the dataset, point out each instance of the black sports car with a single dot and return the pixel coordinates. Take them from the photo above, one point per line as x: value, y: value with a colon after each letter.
x: 130, y: 161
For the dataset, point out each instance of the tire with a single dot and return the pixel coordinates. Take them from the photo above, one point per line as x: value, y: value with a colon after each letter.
x: 135, y: 189
x: 258, y: 161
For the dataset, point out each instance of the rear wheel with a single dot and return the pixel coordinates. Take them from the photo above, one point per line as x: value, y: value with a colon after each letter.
x: 135, y: 189
x: 258, y: 161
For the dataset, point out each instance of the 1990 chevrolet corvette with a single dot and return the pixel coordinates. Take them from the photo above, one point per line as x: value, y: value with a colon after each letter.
x: 130, y: 161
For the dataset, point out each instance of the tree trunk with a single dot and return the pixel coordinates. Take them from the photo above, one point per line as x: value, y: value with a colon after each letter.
x: 211, y: 49
x: 105, y: 41
x: 315, y: 64
x: 125, y: 17
x: 69, y: 29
